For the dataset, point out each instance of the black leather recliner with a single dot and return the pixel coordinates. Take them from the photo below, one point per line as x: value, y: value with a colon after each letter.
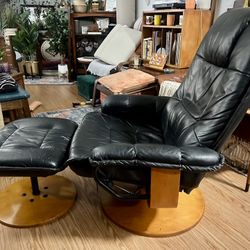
x: 147, y: 149
x: 135, y: 133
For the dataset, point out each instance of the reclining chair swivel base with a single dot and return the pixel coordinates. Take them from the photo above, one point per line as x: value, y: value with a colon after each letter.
x: 169, y: 212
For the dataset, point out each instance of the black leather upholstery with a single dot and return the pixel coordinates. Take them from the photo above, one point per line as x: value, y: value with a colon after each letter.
x: 134, y: 133
x: 35, y: 146
x: 216, y: 89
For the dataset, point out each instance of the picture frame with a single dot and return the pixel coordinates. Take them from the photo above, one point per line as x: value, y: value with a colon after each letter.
x: 110, y: 5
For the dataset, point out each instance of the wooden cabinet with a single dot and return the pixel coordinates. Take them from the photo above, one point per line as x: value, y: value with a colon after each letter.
x: 179, y: 39
x: 86, y: 37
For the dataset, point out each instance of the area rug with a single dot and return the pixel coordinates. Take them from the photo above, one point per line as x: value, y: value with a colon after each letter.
x: 74, y: 114
x: 47, y: 80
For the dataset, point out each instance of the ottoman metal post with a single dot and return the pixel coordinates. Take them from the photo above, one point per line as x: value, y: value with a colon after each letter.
x: 35, y: 186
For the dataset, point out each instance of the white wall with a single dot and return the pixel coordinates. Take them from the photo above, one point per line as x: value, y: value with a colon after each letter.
x: 125, y: 12
x: 141, y: 6
x: 222, y: 6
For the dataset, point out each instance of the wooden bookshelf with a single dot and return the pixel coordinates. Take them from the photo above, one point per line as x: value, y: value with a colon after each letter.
x: 185, y: 35
x: 92, y: 37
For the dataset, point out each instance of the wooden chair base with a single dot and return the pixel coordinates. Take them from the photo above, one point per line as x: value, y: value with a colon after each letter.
x: 20, y: 208
x: 138, y: 218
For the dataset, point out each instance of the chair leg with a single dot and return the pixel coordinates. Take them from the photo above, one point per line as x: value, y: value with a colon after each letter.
x: 26, y: 109
x: 248, y: 179
x: 94, y: 93
x: 164, y: 197
x: 139, y: 218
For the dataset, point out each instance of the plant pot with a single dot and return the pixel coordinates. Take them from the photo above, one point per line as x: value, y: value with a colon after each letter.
x: 21, y: 65
x: 9, y: 32
x: 34, y: 67
x: 63, y: 70
x: 31, y: 68
x: 28, y: 67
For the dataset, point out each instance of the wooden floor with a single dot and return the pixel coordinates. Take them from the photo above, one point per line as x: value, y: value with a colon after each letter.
x: 53, y: 97
x: 225, y: 225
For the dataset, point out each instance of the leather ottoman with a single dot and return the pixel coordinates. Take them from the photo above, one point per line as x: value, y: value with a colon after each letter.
x: 35, y: 147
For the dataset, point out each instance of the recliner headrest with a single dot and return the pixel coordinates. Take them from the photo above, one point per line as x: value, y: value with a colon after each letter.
x: 219, y: 43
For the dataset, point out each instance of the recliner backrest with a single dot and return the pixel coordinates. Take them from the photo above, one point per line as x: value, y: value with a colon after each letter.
x: 215, y: 93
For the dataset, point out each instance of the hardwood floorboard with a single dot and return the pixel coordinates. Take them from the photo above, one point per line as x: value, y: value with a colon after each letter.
x: 225, y: 225
x: 53, y: 97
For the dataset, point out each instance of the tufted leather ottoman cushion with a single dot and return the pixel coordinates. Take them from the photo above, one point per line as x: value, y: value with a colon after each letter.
x: 35, y: 146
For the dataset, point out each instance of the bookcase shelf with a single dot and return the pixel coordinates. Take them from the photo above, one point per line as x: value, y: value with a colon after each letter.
x: 179, y: 41
x: 163, y: 26
x: 84, y: 45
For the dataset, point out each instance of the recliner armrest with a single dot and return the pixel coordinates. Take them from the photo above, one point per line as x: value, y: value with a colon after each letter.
x: 187, y: 158
x: 146, y: 108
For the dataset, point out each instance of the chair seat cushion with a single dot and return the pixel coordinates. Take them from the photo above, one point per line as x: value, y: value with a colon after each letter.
x: 35, y: 146
x: 132, y: 147
x: 99, y: 129
x: 127, y: 81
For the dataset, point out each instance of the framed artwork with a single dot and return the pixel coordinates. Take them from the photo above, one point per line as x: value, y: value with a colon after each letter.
x: 110, y: 5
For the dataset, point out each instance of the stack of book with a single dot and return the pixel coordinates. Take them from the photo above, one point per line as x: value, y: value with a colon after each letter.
x: 172, y: 46
x: 167, y: 43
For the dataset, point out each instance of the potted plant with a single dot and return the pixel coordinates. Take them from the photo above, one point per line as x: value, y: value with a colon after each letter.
x: 25, y: 42
x: 56, y: 24
x: 8, y: 22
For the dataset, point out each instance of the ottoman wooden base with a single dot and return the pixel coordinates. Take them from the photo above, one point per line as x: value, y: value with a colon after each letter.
x: 20, y: 208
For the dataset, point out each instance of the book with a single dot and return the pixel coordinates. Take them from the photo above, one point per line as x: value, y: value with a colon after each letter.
x: 147, y: 48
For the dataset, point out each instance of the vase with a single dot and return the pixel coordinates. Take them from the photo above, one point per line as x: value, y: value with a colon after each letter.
x: 63, y: 70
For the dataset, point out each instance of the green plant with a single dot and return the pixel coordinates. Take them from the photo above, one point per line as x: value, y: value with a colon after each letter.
x: 26, y: 38
x: 8, y: 17
x: 56, y: 23
x: 89, y: 5
x: 2, y: 52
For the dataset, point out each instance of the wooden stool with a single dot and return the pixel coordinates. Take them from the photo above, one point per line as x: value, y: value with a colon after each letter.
x: 17, y: 103
x: 129, y: 82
